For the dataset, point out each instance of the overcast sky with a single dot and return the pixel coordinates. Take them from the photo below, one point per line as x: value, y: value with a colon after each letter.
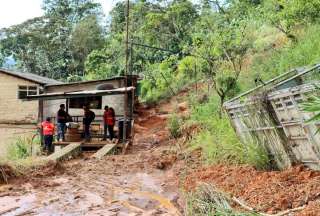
x: 16, y: 11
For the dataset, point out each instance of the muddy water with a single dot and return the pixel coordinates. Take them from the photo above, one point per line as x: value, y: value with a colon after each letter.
x: 129, y: 194
x: 121, y: 185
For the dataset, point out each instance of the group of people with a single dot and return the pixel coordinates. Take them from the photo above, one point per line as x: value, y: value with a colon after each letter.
x: 48, y: 128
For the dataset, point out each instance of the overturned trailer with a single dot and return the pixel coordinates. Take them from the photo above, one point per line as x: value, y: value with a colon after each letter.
x: 271, y: 116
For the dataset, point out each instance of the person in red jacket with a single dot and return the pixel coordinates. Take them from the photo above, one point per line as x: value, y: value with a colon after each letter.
x: 111, y: 120
x: 48, y: 131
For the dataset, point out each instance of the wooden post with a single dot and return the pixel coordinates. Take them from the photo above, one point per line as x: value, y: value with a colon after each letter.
x: 67, y: 105
x: 40, y: 119
x: 126, y: 75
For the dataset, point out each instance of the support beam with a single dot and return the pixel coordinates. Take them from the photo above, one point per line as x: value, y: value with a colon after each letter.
x: 72, y: 149
x: 107, y: 149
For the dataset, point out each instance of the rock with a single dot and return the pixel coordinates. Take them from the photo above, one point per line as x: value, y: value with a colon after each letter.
x: 183, y: 106
x: 160, y: 165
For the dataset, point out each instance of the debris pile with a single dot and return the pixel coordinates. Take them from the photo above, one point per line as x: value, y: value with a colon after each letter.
x: 266, y: 191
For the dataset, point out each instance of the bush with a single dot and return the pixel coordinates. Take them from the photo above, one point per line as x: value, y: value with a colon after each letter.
x: 23, y: 147
x: 174, y: 124
x: 218, y: 140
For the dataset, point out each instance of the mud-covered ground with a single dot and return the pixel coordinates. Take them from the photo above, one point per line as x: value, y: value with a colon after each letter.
x: 269, y: 192
x: 141, y: 182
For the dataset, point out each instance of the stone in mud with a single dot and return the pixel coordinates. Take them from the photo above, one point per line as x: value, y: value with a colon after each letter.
x: 183, y: 106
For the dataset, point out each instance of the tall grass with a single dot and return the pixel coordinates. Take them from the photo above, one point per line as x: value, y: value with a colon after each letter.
x: 174, y: 125
x: 23, y: 147
x: 277, y: 60
x: 218, y: 140
x: 22, y: 156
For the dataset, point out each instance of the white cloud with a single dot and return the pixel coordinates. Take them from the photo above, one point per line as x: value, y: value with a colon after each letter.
x: 107, y: 5
x: 13, y: 12
x: 16, y: 11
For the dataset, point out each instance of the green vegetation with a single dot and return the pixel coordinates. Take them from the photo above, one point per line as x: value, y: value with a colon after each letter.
x: 218, y: 139
x: 21, y: 158
x: 23, y: 147
x: 174, y: 124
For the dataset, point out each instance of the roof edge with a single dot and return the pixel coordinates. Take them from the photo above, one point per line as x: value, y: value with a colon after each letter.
x: 17, y: 74
x: 90, y: 81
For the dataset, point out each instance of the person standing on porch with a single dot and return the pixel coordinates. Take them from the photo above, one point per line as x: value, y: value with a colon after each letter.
x: 62, y: 118
x: 105, y: 119
x: 111, y: 120
x: 88, y: 118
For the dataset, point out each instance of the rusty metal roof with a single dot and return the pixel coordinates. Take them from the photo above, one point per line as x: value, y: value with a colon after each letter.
x: 30, y: 77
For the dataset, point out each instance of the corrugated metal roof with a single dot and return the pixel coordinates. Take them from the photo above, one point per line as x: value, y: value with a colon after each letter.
x: 31, y: 77
x: 77, y: 94
x: 93, y: 81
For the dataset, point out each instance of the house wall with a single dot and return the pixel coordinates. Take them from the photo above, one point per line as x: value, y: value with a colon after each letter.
x: 12, y: 109
x: 116, y: 101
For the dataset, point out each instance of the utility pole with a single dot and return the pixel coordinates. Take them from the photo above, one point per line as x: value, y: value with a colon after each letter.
x: 126, y: 73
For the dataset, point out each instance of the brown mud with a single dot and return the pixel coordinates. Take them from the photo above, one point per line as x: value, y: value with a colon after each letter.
x: 270, y: 192
x: 141, y: 182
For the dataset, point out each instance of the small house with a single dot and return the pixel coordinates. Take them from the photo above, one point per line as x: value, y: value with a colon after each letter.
x: 15, y: 87
x: 96, y: 103
x: 271, y: 116
x: 117, y: 92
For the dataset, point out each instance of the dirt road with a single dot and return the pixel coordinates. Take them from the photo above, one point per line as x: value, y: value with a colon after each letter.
x: 138, y: 183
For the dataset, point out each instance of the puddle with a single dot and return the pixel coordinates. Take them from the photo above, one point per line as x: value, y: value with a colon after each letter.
x: 17, y: 204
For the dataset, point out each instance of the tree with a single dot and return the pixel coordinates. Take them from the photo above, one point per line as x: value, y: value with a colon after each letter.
x: 152, y: 23
x: 221, y: 40
x: 46, y: 45
x: 286, y: 14
x: 86, y: 37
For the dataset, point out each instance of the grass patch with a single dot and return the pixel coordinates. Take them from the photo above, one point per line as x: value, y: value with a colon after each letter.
x: 272, y: 62
x: 174, y: 125
x: 24, y: 147
x: 21, y: 158
x: 218, y: 140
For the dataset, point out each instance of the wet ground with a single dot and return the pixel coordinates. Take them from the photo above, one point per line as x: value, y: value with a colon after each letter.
x: 140, y: 182
x: 94, y: 190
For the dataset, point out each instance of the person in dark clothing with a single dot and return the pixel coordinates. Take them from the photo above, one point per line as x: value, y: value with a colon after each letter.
x: 62, y: 118
x: 89, y: 116
x: 48, y: 131
x: 105, y: 117
x: 111, y: 120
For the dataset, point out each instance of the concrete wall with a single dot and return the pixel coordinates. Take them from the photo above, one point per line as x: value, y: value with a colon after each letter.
x: 116, y: 101
x: 12, y: 109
